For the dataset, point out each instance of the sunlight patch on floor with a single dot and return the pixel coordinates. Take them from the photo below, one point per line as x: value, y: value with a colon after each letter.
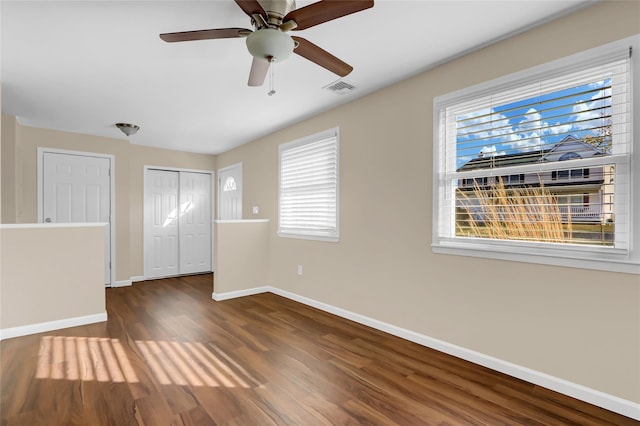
x: 192, y: 363
x: 84, y: 358
x: 172, y: 363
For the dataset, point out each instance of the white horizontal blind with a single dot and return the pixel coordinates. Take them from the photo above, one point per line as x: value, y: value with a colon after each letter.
x: 309, y: 187
x: 545, y: 159
x: 580, y: 105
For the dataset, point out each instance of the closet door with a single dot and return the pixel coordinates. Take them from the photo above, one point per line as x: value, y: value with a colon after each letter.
x: 195, y: 222
x: 161, y: 224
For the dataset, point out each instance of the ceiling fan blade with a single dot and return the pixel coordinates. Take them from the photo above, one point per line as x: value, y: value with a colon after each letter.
x: 205, y: 34
x: 310, y: 51
x: 326, y: 10
x: 252, y: 7
x: 259, y: 68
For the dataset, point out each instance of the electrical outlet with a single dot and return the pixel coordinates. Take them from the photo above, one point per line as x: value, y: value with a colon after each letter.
x: 255, y: 209
x: 299, y: 269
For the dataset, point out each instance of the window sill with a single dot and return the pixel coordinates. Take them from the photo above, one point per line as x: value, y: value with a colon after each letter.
x: 241, y: 220
x: 595, y: 260
x: 309, y: 237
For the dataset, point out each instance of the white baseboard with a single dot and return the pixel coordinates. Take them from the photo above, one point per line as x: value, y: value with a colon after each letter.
x: 240, y: 293
x: 583, y: 393
x: 8, y: 333
x: 123, y: 283
x: 137, y: 278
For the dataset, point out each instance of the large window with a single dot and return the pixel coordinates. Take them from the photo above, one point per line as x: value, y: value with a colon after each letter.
x: 308, y: 205
x: 538, y: 166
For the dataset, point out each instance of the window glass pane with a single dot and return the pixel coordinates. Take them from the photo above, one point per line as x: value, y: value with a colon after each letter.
x: 572, y: 123
x: 564, y: 125
x: 540, y: 210
x: 229, y: 184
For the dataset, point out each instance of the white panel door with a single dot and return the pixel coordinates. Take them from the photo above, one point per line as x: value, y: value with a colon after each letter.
x: 77, y: 189
x: 161, y: 223
x: 195, y: 222
x: 230, y: 193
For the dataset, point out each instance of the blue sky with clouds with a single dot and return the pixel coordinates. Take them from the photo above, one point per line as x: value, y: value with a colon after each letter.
x: 534, y: 123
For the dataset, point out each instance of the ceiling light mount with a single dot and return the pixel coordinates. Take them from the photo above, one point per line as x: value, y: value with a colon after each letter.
x: 271, y: 44
x: 128, y: 129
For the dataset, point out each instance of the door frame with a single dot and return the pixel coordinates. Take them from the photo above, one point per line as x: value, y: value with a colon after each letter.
x: 211, y: 173
x: 112, y: 199
x: 219, y: 184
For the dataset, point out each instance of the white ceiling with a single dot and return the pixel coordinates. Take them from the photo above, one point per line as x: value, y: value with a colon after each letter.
x: 82, y: 66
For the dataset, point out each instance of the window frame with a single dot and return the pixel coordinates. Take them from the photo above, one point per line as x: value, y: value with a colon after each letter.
x: 328, y: 237
x: 571, y: 255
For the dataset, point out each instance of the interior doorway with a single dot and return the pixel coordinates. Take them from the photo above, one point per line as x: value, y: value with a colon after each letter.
x: 76, y: 187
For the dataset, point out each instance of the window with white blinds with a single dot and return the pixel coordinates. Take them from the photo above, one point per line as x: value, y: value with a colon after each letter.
x: 539, y: 165
x: 308, y: 204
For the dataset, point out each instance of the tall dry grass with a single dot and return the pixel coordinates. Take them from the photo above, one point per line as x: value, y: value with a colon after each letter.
x: 522, y: 213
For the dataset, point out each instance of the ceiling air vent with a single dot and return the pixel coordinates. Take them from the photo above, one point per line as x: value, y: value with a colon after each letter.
x: 340, y: 87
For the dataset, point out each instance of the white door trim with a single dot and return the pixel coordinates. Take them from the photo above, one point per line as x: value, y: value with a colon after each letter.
x: 212, y: 173
x: 233, y: 166
x: 112, y: 199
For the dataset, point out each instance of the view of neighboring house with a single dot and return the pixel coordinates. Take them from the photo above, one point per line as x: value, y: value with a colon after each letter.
x: 582, y: 194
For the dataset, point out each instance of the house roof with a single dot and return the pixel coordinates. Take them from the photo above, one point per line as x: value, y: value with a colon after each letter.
x: 570, y: 144
x: 497, y: 161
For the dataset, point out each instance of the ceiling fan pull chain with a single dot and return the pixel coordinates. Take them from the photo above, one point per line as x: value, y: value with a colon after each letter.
x: 272, y: 72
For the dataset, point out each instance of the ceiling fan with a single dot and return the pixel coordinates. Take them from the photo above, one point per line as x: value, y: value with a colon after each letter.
x: 269, y: 41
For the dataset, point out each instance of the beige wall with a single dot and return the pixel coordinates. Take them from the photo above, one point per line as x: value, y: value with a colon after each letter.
x: 241, y: 255
x: 50, y: 273
x: 129, y: 163
x: 579, y: 325
x: 8, y: 160
x: 2, y: 148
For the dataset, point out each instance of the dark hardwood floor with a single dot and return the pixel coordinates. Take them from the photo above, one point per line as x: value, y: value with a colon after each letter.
x: 169, y: 355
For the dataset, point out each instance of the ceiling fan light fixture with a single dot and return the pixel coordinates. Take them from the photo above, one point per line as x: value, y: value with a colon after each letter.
x: 270, y: 43
x: 128, y: 129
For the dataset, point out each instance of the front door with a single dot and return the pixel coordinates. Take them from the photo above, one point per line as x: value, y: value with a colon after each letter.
x: 77, y: 189
x: 230, y: 192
